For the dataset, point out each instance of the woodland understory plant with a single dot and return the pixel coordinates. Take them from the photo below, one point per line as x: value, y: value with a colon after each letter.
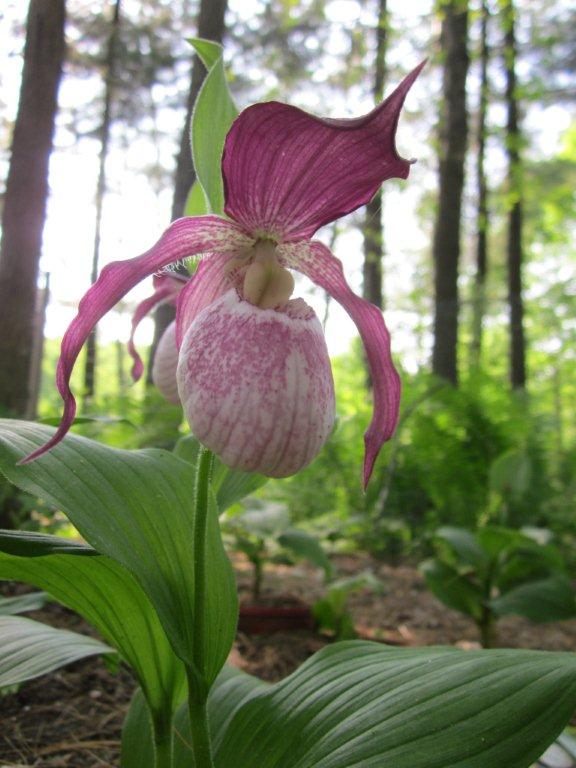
x: 255, y: 382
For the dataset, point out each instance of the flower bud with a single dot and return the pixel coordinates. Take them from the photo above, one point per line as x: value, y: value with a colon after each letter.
x: 256, y: 384
x: 165, y: 364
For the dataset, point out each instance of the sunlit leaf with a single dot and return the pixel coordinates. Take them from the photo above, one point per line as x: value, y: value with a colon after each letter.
x: 11, y: 606
x: 138, y: 508
x: 110, y: 599
x: 30, y: 649
x: 213, y: 114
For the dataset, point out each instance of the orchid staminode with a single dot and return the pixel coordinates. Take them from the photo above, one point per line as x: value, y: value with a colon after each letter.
x: 253, y: 371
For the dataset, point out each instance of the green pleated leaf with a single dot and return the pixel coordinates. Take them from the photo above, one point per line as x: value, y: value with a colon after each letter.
x: 54, y: 421
x: 138, y: 508
x: 195, y: 202
x: 111, y: 600
x: 464, y: 545
x: 232, y: 485
x: 137, y: 742
x: 363, y: 705
x: 453, y: 588
x: 11, y: 606
x: 230, y: 691
x: 306, y: 546
x: 551, y: 599
x: 208, y: 51
x: 30, y: 649
x: 213, y: 114
x: 31, y: 544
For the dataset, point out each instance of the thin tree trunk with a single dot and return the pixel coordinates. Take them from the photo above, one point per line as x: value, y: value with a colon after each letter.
x: 42, y: 299
x: 482, y: 213
x: 211, y: 26
x: 90, y: 365
x: 514, y: 244
x: 26, y: 198
x: 373, y: 226
x: 120, y: 368
x: 453, y: 138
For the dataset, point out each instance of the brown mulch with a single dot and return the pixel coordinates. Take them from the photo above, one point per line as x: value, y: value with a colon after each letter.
x: 72, y: 718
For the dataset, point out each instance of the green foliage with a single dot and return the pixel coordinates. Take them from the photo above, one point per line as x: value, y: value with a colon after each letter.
x: 345, y: 707
x: 30, y: 649
x: 460, y: 457
x: 139, y: 509
x: 213, y: 114
x: 11, y: 606
x: 331, y: 611
x: 111, y: 600
x: 264, y: 532
x: 499, y: 571
x: 348, y: 705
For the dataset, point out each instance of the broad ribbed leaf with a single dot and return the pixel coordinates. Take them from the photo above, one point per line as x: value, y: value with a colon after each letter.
x: 464, y: 545
x: 31, y: 544
x: 231, y: 689
x: 137, y: 743
x: 30, y: 649
x: 306, y: 546
x: 264, y: 521
x: 11, y: 606
x: 110, y: 599
x: 453, y: 588
x: 363, y: 705
x: 233, y: 485
x: 213, y: 114
x: 551, y: 599
x: 138, y: 508
x: 195, y: 202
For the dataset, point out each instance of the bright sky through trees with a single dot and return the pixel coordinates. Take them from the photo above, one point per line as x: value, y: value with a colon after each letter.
x: 135, y: 213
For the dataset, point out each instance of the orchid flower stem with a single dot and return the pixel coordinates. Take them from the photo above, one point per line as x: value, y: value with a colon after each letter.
x: 197, y: 688
x: 201, y: 747
x: 163, y: 750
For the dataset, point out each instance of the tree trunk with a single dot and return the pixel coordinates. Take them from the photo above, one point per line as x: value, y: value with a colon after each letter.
x: 514, y: 244
x: 482, y: 213
x: 452, y: 151
x: 90, y: 365
x: 373, y: 226
x: 26, y: 198
x: 35, y: 380
x: 211, y: 26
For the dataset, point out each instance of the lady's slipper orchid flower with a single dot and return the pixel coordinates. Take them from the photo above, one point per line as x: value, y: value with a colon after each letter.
x: 167, y: 287
x: 253, y: 371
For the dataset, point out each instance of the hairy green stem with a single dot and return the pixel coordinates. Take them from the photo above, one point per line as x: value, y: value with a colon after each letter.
x: 163, y: 748
x: 203, y: 478
x: 486, y: 623
x: 201, y: 747
x: 197, y: 689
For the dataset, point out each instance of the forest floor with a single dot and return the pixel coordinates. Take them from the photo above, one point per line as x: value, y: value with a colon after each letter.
x: 73, y: 718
